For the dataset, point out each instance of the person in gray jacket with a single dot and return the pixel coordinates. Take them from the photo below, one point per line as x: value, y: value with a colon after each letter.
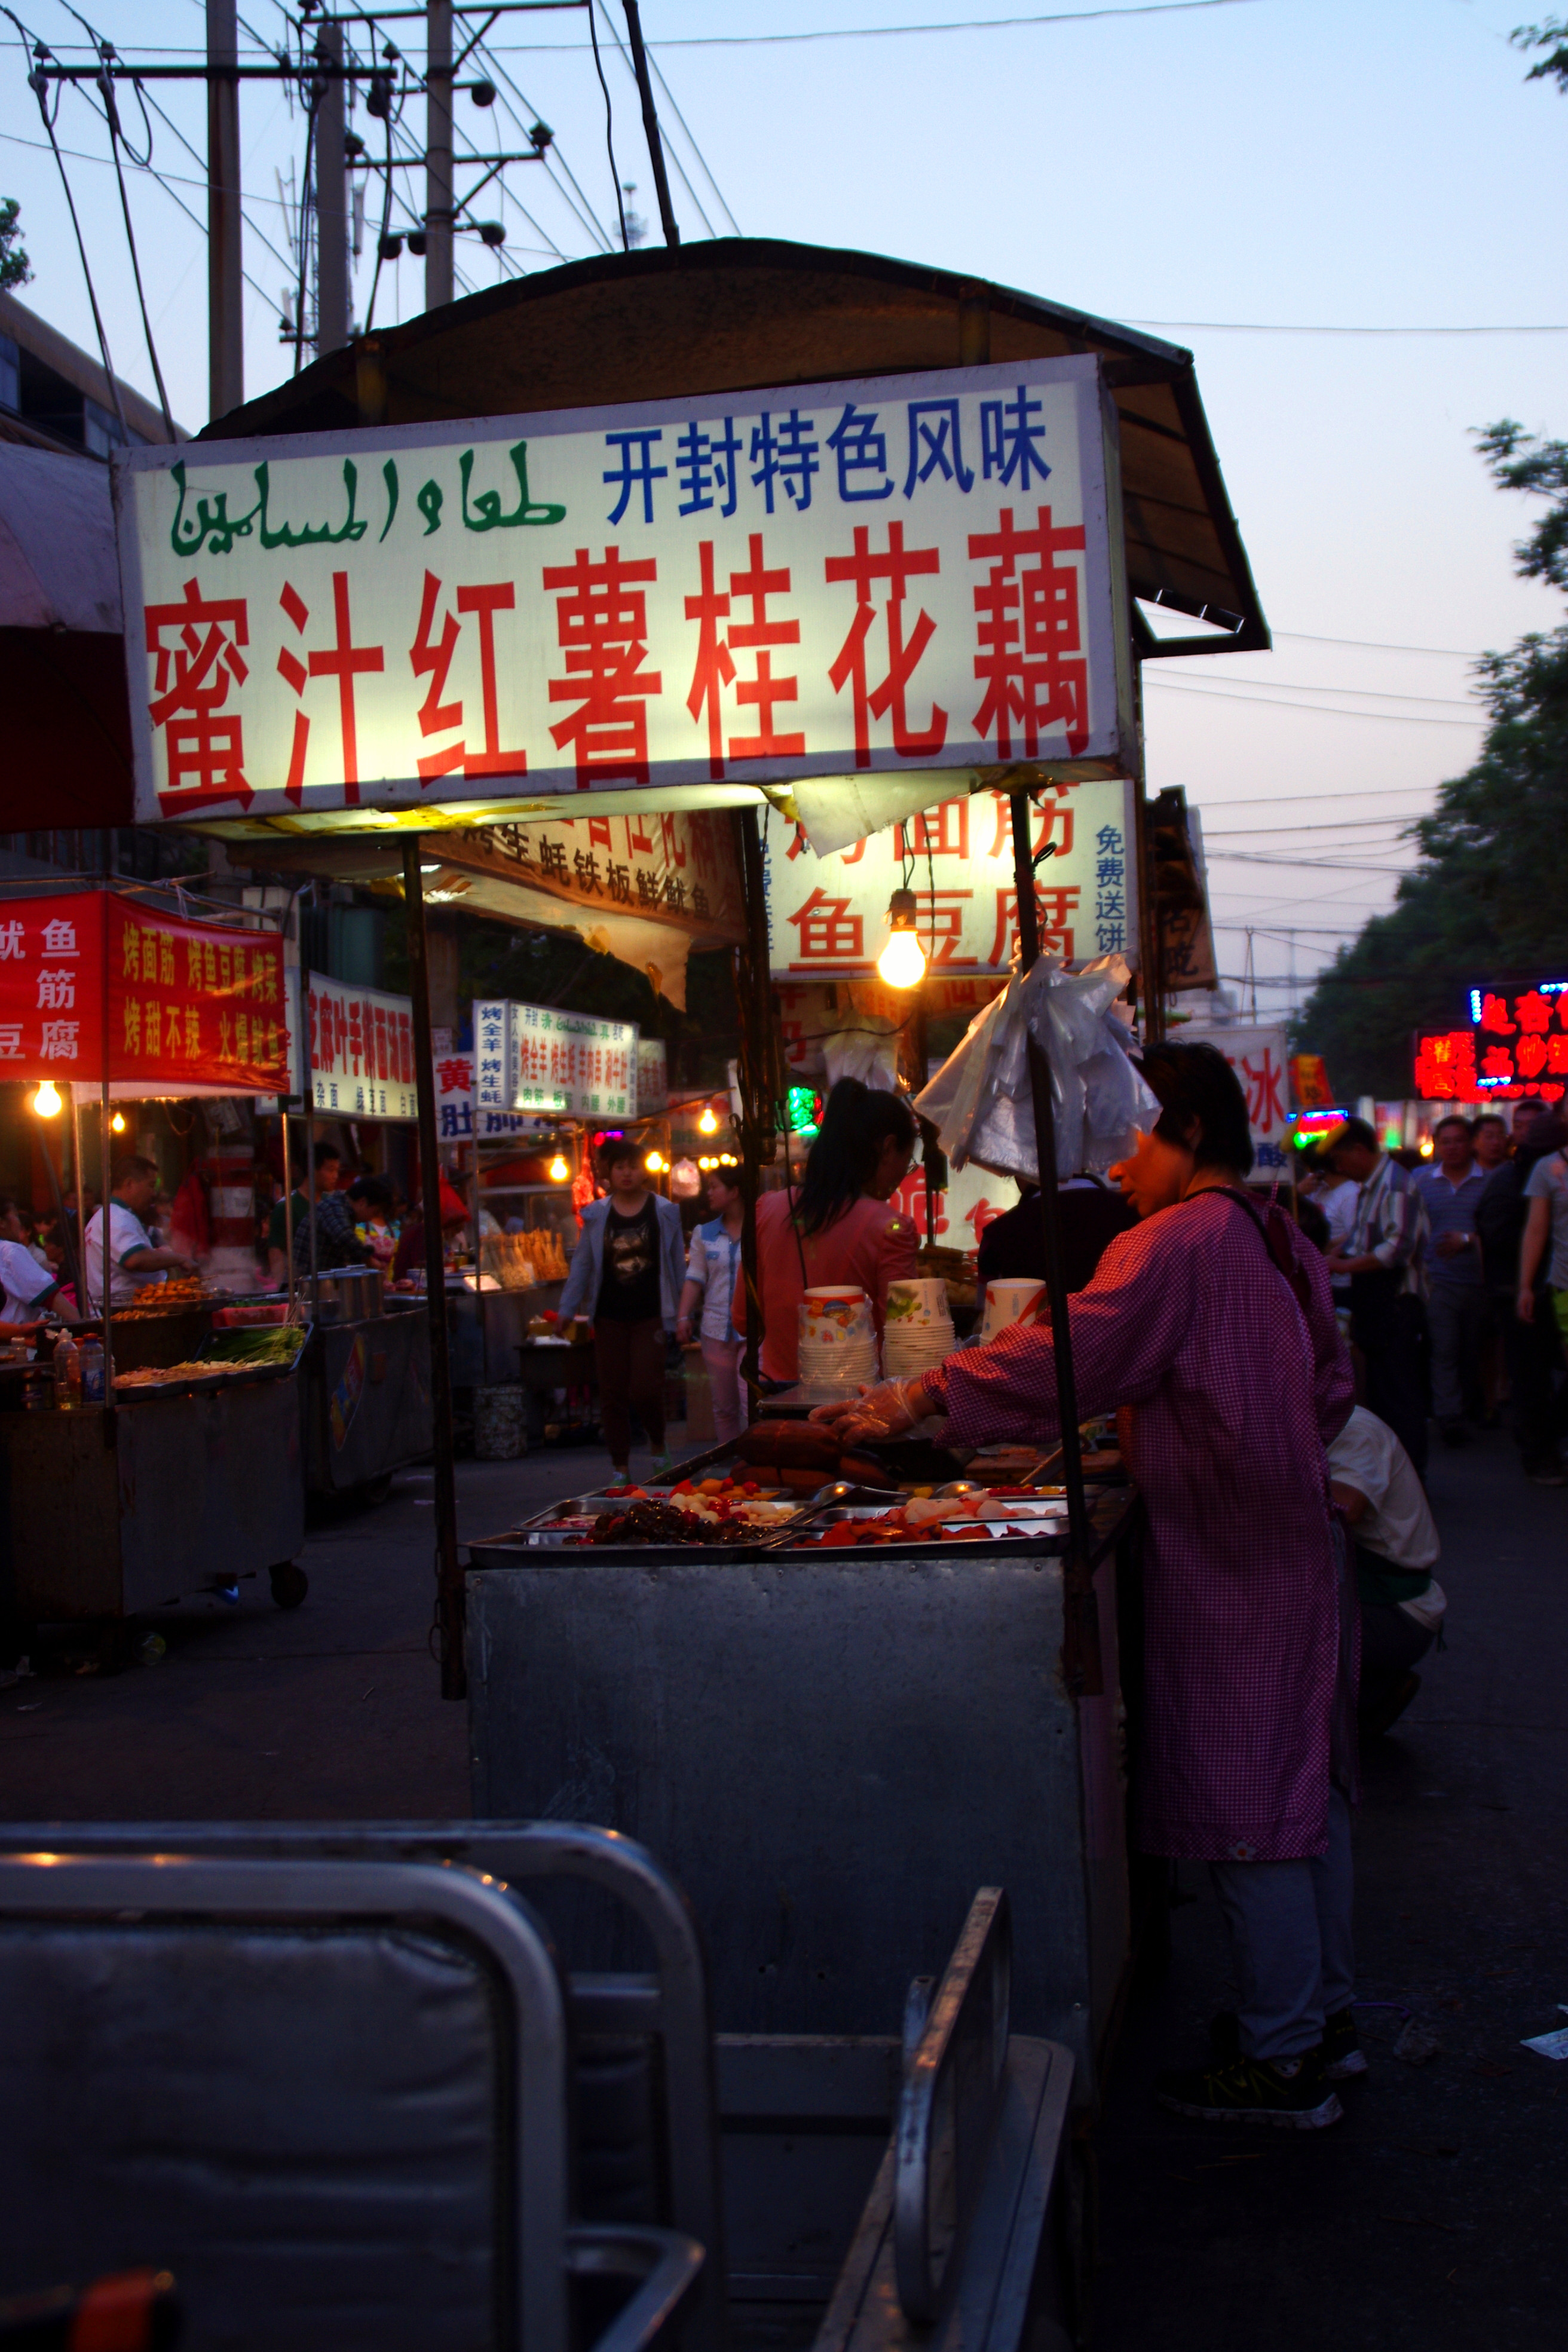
x: 626, y: 1274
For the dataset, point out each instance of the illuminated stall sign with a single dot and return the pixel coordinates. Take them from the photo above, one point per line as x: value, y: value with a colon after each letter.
x: 1517, y: 1045
x: 894, y: 575
x: 538, y: 1059
x: 187, y: 1004
x: 827, y: 917
x: 361, y: 1050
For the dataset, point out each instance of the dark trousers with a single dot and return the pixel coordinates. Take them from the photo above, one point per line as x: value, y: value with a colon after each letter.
x: 1393, y: 1341
x: 1456, y: 1320
x: 629, y: 1359
x: 1539, y: 1410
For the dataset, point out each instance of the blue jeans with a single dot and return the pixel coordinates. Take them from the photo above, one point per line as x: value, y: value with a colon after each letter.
x: 1292, y: 1955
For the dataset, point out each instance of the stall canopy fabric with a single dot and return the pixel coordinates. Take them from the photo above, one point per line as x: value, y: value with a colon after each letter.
x: 746, y: 312
x: 62, y: 663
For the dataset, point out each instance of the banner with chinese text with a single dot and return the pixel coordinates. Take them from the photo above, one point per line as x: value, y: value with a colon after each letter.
x: 1517, y: 1045
x: 828, y: 916
x: 188, y: 1004
x: 1258, y: 1057
x: 361, y: 1050
x: 539, y: 1059
x: 900, y: 574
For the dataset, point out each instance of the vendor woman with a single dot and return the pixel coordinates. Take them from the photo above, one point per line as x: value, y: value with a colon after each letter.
x: 1215, y: 1325
x: 839, y: 1227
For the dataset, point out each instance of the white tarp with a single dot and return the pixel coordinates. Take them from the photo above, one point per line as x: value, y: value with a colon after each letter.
x: 883, y: 577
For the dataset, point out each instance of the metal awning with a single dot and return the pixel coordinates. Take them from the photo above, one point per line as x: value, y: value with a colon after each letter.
x: 742, y: 312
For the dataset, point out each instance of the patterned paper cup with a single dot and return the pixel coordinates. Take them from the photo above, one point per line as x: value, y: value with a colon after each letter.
x: 1010, y: 1302
x: 920, y: 1300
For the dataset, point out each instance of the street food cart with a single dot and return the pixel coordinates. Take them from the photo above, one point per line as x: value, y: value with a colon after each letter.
x: 918, y: 570
x: 187, y: 1477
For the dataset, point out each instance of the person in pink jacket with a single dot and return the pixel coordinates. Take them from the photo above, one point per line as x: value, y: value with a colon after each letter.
x: 1213, y: 1321
x: 835, y: 1226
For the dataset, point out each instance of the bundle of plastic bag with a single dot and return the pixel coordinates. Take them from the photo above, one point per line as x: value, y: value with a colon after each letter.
x: 980, y: 1102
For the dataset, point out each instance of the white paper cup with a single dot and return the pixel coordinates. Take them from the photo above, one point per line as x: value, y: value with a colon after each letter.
x: 1010, y: 1302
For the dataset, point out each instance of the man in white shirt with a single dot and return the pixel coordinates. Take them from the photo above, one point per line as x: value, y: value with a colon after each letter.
x: 26, y: 1287
x: 134, y: 1256
x: 1374, y: 1482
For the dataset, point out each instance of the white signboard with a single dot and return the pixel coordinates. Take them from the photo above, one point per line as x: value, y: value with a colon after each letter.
x: 361, y: 1050
x: 1258, y: 1056
x: 899, y: 574
x: 457, y: 1120
x: 538, y: 1059
x: 828, y: 916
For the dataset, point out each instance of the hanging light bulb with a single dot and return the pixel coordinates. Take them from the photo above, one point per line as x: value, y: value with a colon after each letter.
x: 655, y: 1164
x: 559, y: 1171
x: 709, y: 1122
x: 902, y: 962
x: 118, y: 1122
x: 46, y: 1101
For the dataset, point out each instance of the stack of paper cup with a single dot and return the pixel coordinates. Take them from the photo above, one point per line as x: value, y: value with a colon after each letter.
x: 918, y: 1329
x: 837, y: 1343
x: 1010, y: 1302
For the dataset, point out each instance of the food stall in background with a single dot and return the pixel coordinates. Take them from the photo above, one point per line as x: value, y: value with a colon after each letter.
x: 367, y: 1404
x: 183, y: 1474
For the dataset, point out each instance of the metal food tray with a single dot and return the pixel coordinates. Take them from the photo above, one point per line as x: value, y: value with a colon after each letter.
x: 198, y: 1383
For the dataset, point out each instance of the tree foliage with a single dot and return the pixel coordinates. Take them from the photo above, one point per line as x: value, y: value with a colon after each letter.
x: 1489, y: 897
x: 15, y: 269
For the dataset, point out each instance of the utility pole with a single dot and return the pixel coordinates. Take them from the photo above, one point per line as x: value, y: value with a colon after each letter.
x: 439, y: 276
x: 650, y: 124
x: 226, y: 317
x: 331, y: 199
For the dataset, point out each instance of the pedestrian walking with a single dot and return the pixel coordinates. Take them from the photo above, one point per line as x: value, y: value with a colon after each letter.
x: 712, y: 1270
x: 1538, y: 1407
x: 1384, y: 1261
x: 626, y: 1272
x: 1450, y: 1194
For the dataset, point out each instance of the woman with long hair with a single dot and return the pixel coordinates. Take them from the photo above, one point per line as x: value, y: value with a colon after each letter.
x: 837, y: 1227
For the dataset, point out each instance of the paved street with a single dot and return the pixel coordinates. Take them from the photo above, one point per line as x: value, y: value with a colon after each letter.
x: 1431, y: 2218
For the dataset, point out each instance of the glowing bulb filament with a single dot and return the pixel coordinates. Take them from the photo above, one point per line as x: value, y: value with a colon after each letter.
x: 46, y: 1101
x: 902, y: 962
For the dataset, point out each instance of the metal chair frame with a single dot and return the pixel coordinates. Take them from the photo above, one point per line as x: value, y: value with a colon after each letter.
x: 672, y: 2003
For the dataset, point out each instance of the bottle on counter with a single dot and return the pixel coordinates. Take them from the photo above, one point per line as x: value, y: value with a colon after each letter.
x: 67, y: 1374
x: 92, y: 1380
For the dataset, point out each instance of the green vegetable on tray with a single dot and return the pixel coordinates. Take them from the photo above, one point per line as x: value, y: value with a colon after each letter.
x: 268, y: 1343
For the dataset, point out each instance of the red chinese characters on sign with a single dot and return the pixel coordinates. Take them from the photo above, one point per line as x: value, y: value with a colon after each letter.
x: 195, y: 649
x: 431, y: 657
x: 362, y: 1052
x: 343, y: 660
x: 716, y: 671
x: 870, y: 574
x: 1446, y: 1067
x: 1517, y: 1046
x: 829, y: 933
x: 601, y: 622
x: 1031, y: 658
x: 1056, y: 908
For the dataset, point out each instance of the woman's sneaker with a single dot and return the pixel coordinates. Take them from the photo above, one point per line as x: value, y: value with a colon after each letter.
x: 1294, y: 2093
x: 1340, y: 2051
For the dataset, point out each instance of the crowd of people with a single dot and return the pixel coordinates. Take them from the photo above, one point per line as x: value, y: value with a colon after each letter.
x: 1453, y: 1277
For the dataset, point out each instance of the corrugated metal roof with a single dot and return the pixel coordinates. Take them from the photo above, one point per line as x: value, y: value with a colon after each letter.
x: 738, y: 313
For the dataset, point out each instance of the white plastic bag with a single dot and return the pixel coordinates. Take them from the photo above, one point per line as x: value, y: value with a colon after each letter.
x: 980, y: 1100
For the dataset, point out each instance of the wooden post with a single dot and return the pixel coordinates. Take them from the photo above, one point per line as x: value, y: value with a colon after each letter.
x: 450, y: 1601
x: 1081, y: 1615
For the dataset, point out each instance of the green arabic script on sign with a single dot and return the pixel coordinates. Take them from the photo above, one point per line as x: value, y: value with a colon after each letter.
x: 487, y: 514
x: 215, y: 530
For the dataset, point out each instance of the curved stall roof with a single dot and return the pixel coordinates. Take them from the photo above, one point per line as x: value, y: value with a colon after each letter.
x: 740, y: 312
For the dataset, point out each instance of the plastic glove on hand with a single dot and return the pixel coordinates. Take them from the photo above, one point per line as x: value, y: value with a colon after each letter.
x: 885, y: 1411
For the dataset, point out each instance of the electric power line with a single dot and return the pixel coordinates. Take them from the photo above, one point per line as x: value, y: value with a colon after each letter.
x: 1320, y: 710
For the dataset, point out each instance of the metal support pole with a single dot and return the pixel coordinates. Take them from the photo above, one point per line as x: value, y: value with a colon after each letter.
x: 439, y: 275
x: 331, y: 201
x: 1082, y: 1616
x: 650, y: 125
x: 450, y: 1608
x: 76, y: 1251
x: 756, y: 1088
x: 287, y: 1209
x: 225, y: 290
x: 58, y: 1190
x: 106, y: 1173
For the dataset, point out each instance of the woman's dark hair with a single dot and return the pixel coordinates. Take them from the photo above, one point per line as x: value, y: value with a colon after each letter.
x: 371, y: 1191
x: 618, y: 1148
x: 857, y: 1120
x: 1197, y: 1082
